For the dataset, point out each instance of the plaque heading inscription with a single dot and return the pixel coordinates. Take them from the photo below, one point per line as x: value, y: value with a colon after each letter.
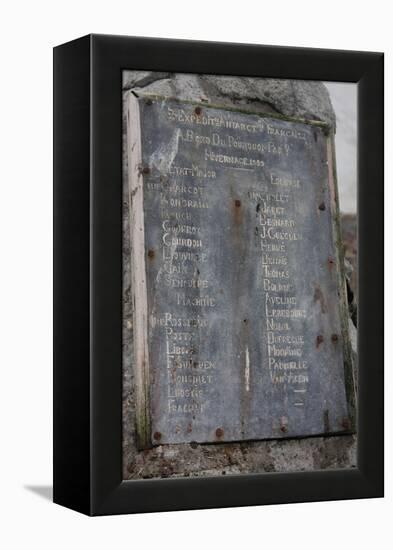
x: 239, y: 325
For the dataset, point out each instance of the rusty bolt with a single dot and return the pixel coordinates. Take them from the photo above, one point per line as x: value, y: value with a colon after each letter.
x: 334, y: 337
x: 238, y: 203
x: 322, y: 206
x: 146, y: 170
x: 319, y: 339
x: 149, y: 102
x: 157, y: 436
x: 151, y: 254
x: 198, y: 110
x: 345, y: 423
x: 284, y: 429
x: 219, y: 432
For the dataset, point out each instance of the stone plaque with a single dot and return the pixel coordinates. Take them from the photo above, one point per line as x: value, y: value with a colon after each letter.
x: 240, y: 327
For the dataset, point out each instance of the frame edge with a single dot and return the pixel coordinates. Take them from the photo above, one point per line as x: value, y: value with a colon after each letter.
x: 71, y: 275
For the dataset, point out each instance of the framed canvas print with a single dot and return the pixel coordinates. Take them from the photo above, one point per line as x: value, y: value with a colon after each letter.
x: 218, y: 281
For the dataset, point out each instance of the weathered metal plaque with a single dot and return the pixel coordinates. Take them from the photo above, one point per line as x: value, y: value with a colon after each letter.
x: 240, y: 328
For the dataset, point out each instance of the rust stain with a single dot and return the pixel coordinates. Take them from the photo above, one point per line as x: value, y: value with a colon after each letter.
x: 345, y: 423
x: 237, y: 211
x: 189, y: 428
x: 283, y: 424
x: 319, y: 340
x: 319, y: 297
x: 157, y: 436
x: 330, y: 263
x: 334, y: 338
x: 198, y: 111
x: 151, y: 254
x: 219, y: 432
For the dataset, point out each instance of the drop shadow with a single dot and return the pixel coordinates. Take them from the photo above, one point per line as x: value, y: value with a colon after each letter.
x: 44, y: 491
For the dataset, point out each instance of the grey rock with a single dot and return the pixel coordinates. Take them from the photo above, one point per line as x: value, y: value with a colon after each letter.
x: 294, y: 98
x: 133, y: 79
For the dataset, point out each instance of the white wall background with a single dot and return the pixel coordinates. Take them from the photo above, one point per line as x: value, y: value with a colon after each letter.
x: 28, y: 30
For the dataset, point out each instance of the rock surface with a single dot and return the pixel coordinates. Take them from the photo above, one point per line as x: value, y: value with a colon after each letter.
x: 298, y: 99
x: 295, y: 98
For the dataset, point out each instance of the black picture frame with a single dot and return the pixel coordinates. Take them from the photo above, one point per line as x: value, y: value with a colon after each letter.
x: 88, y: 274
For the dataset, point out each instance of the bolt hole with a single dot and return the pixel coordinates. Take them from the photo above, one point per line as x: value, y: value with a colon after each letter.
x: 219, y: 432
